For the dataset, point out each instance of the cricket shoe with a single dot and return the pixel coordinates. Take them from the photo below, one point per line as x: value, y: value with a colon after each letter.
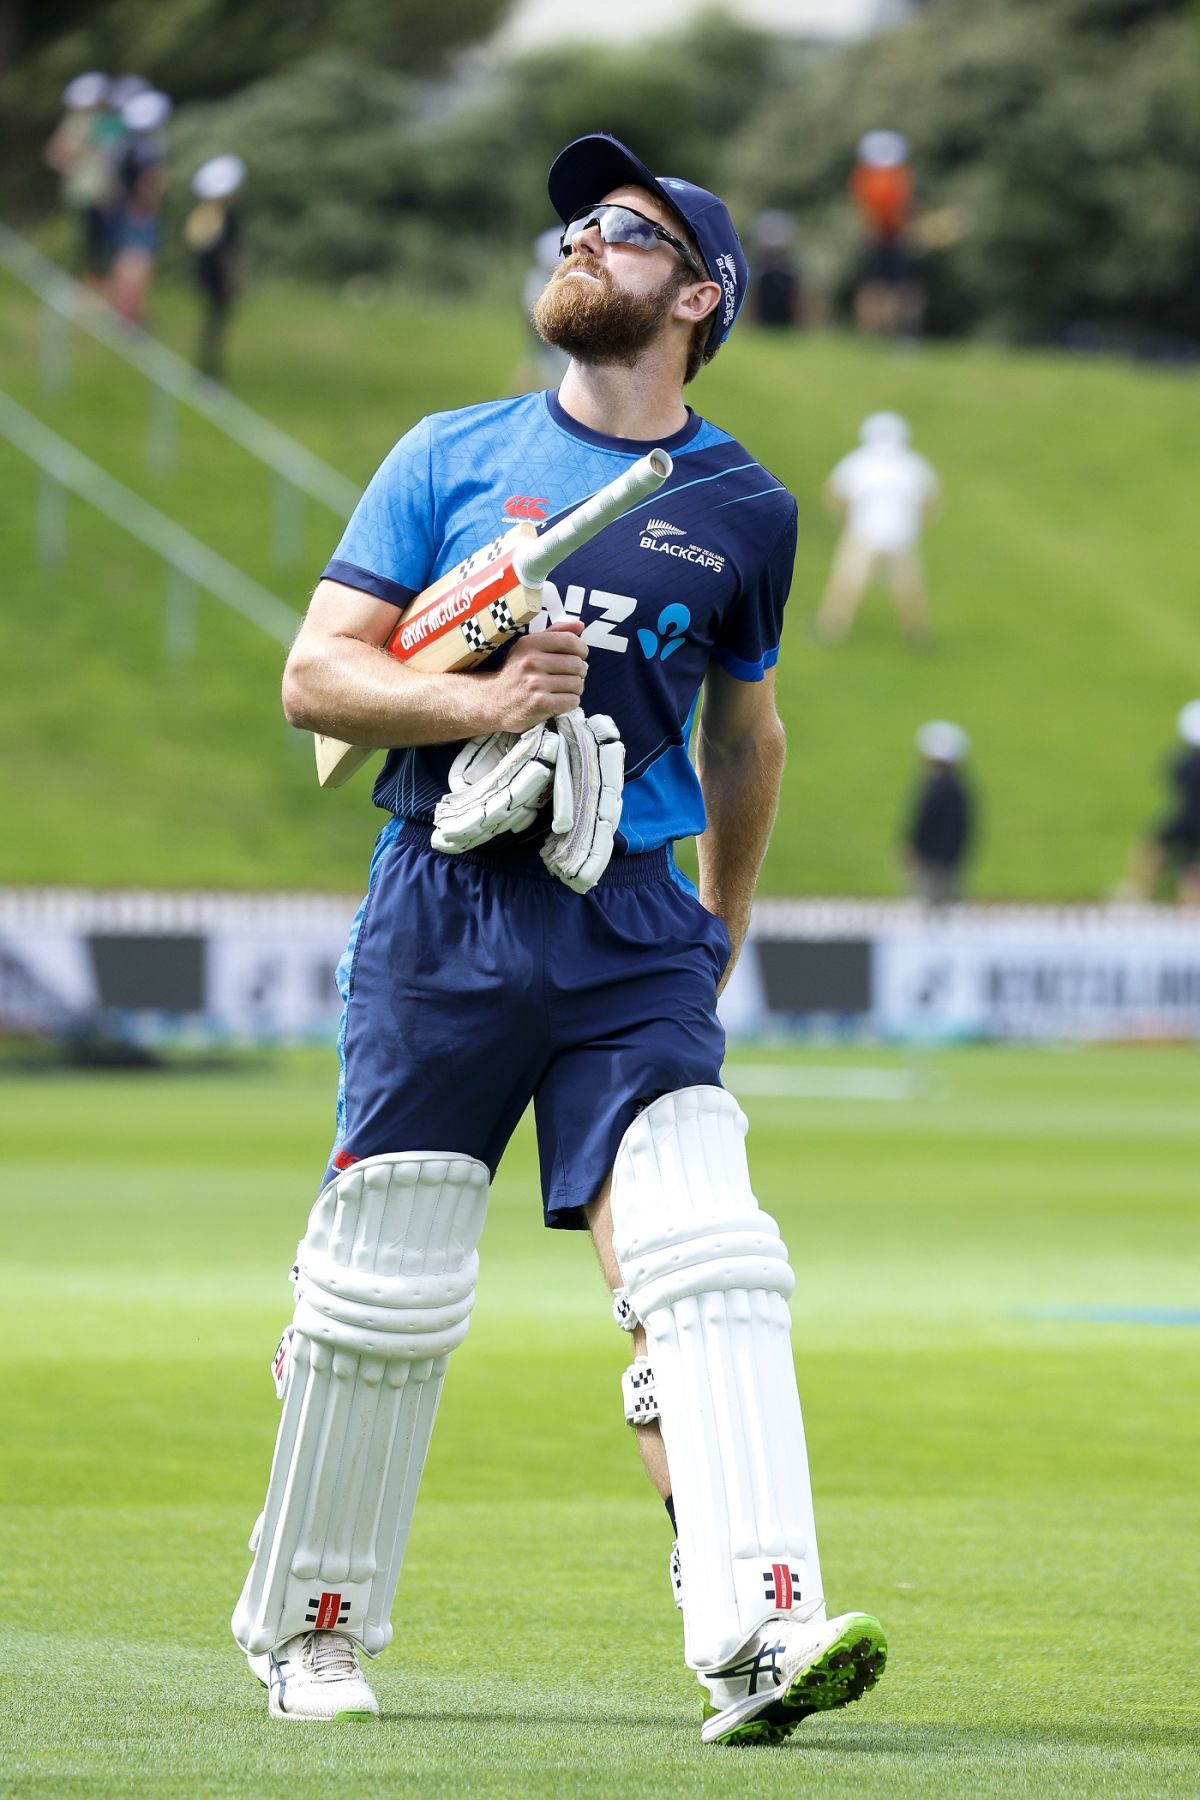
x: 315, y: 1676
x: 791, y: 1667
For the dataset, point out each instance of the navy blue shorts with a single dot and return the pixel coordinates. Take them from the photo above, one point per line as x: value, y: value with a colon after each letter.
x: 474, y: 984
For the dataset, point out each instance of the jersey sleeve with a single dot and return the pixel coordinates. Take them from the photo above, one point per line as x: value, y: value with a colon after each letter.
x: 387, y: 549
x: 747, y: 640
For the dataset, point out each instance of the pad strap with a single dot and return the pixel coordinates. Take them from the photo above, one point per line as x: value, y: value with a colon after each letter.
x: 624, y: 1316
x: 637, y: 1387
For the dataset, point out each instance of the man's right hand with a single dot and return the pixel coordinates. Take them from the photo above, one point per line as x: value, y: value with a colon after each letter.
x: 541, y: 677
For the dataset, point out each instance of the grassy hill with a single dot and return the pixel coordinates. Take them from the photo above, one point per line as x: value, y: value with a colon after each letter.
x: 1064, y: 577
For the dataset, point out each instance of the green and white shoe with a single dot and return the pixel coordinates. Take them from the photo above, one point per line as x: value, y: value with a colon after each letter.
x: 315, y: 1676
x: 789, y: 1669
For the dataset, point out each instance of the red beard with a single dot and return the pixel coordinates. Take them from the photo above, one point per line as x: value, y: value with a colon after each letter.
x: 593, y: 320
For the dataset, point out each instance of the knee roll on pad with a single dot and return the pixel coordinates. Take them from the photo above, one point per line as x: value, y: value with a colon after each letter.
x: 707, y: 1274
x: 385, y: 1283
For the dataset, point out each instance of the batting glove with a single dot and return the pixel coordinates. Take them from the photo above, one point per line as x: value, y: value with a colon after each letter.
x: 497, y: 783
x: 589, y: 776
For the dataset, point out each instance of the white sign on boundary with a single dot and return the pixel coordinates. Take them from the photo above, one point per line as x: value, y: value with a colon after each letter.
x: 1038, y: 973
x: 1035, y: 983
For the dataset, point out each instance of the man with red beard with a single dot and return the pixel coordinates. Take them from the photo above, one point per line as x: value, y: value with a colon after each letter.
x: 484, y: 972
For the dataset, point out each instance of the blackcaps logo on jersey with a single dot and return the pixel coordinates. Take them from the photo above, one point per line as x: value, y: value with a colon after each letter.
x: 658, y: 534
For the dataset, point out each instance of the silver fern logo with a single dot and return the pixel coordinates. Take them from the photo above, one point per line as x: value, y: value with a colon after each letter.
x: 660, y: 528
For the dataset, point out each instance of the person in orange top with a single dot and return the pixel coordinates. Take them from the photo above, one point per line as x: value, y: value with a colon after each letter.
x: 888, y: 298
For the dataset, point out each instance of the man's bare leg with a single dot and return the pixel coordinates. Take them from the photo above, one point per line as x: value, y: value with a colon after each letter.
x: 909, y: 596
x: 876, y: 309
x: 848, y: 581
x: 1187, y: 892
x: 1146, y: 864
x: 649, y: 1437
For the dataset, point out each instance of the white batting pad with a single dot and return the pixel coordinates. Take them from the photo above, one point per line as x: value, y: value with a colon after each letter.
x: 707, y: 1273
x: 385, y: 1283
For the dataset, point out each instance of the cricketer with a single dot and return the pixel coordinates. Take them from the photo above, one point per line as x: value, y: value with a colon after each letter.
x: 526, y: 935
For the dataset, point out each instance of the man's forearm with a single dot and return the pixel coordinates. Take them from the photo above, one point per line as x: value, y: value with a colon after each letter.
x: 741, y: 794
x: 364, y: 696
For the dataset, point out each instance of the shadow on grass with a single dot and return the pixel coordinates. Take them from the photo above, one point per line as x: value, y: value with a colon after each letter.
x: 959, y: 1739
x: 565, y: 1718
x: 951, y: 1742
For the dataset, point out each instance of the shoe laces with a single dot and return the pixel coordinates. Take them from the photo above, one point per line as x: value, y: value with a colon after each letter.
x: 330, y: 1656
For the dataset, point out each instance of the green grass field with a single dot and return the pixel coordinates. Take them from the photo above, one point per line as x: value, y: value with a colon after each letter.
x: 1063, y: 573
x: 1009, y: 1483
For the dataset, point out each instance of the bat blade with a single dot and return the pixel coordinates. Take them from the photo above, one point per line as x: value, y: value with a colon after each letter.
x: 466, y: 615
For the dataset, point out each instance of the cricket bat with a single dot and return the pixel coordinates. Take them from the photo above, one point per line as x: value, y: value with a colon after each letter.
x: 477, y: 606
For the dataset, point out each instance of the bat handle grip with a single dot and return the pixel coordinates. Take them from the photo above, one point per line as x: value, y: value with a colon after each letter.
x: 534, y: 561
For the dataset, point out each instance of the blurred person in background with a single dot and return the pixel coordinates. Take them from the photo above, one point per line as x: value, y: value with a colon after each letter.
x: 888, y: 298
x: 776, y: 294
x: 884, y: 494
x: 542, y: 365
x: 212, y: 232
x: 142, y: 172
x: 121, y: 90
x: 941, y: 819
x: 1173, y: 848
x: 83, y: 153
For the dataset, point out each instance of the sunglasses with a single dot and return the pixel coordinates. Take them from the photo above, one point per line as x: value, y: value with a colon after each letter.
x: 621, y: 225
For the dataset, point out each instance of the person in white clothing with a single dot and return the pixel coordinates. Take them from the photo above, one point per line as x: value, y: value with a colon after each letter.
x: 884, y: 493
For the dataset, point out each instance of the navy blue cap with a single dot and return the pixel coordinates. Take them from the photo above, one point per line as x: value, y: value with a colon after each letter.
x: 592, y: 166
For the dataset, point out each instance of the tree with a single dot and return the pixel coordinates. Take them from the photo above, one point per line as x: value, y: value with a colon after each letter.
x: 203, y: 50
x: 1060, y: 139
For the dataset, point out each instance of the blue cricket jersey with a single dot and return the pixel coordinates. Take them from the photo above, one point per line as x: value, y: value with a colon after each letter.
x: 698, y: 573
